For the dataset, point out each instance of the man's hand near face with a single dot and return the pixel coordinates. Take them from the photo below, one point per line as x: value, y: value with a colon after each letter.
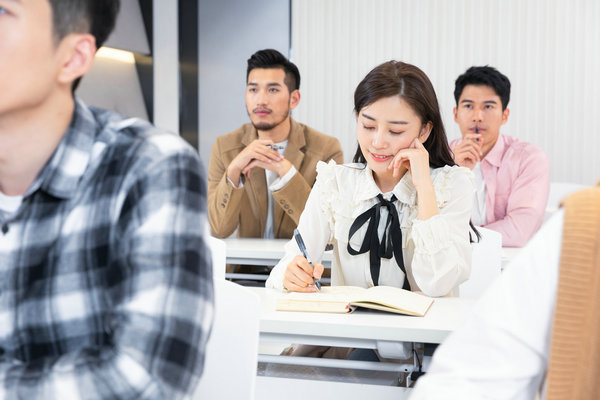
x: 257, y: 154
x: 469, y: 151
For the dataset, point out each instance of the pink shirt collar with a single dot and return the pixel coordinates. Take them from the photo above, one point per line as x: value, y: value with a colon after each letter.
x: 495, y: 155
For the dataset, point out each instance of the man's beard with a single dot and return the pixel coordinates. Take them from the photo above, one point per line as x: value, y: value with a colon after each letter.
x: 266, y: 126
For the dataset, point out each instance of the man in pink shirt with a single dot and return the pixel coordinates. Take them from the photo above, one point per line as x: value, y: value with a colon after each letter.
x: 512, y: 177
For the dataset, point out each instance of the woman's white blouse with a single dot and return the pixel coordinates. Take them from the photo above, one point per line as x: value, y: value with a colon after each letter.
x: 436, y: 251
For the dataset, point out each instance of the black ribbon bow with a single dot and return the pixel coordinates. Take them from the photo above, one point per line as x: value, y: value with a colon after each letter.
x: 391, y: 241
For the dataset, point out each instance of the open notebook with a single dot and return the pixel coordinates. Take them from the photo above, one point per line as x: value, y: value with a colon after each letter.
x: 344, y: 299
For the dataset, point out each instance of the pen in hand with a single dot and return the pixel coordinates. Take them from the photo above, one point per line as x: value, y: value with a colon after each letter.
x: 302, y: 247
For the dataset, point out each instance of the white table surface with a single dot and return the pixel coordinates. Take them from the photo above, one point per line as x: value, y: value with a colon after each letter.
x: 444, y: 316
x: 246, y: 251
x: 508, y: 253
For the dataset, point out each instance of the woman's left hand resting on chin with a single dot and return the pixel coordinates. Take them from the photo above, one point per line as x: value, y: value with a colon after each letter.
x: 299, y: 275
x: 416, y: 160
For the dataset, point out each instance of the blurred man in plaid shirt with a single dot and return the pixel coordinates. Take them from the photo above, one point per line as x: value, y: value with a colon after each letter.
x: 105, y: 275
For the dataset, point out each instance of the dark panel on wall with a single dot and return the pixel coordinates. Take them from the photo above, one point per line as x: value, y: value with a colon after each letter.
x: 188, y: 67
x: 143, y: 63
x: 146, y: 8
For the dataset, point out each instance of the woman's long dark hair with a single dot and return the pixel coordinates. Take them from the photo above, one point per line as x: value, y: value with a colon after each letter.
x: 395, y: 78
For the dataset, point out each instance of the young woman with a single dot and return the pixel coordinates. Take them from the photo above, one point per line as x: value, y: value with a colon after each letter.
x: 399, y: 216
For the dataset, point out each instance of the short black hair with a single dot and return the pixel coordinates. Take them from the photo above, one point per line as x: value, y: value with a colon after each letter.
x: 484, y: 76
x: 270, y: 58
x: 96, y: 17
x: 84, y: 16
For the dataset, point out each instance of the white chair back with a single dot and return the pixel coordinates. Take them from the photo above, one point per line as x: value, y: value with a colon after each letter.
x: 218, y: 249
x: 486, y: 264
x: 232, y: 349
x: 558, y: 191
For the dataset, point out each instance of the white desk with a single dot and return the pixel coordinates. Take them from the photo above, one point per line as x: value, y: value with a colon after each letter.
x: 260, y: 252
x: 254, y: 251
x: 508, y: 253
x: 360, y: 329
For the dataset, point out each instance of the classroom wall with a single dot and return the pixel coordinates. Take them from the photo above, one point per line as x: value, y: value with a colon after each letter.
x: 230, y: 31
x: 113, y: 83
x: 548, y: 49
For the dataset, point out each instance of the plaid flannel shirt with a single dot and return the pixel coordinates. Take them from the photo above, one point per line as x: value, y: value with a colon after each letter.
x: 105, y: 275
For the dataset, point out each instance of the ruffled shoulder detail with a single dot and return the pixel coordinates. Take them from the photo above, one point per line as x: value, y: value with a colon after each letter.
x: 336, y: 185
x: 340, y: 176
x: 446, y: 179
x: 326, y: 170
x: 327, y: 187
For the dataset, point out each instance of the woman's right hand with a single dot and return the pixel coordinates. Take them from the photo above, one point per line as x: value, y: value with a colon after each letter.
x: 299, y: 275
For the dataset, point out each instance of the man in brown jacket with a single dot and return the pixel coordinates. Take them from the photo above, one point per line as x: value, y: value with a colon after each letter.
x: 260, y: 175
